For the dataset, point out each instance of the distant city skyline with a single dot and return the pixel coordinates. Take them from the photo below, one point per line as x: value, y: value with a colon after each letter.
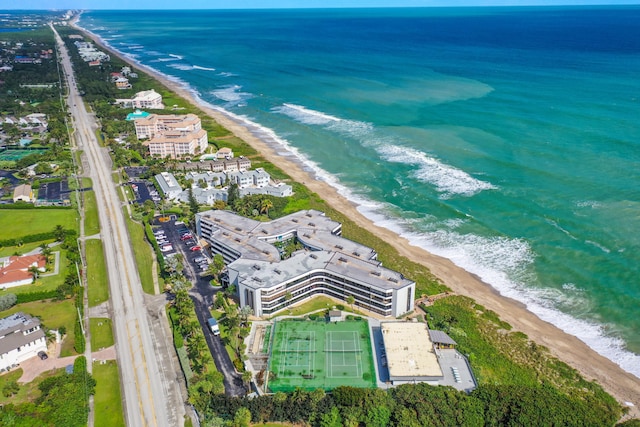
x: 277, y: 4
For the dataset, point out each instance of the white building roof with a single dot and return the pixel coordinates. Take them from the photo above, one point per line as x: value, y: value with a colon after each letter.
x: 410, y: 352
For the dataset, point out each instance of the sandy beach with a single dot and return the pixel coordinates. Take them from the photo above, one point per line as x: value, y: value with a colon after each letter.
x: 624, y: 386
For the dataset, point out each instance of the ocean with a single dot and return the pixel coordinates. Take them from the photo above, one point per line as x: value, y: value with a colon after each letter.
x: 505, y: 139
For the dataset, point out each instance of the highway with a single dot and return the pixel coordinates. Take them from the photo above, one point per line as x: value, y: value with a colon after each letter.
x: 145, y: 386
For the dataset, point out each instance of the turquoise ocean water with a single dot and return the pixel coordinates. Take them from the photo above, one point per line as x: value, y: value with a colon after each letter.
x: 505, y: 139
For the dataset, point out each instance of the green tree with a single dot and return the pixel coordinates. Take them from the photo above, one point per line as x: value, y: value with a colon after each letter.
x: 378, y: 417
x: 59, y: 233
x: 350, y: 300
x: 242, y: 418
x: 331, y: 418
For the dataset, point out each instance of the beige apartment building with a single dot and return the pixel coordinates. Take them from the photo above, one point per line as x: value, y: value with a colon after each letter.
x: 172, y: 135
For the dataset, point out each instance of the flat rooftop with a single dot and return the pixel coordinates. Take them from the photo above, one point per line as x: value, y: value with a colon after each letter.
x: 258, y: 273
x: 410, y: 353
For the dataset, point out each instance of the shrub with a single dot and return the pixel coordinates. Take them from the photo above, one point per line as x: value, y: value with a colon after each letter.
x: 7, y: 301
x: 340, y: 307
x: 10, y: 389
x: 36, y: 296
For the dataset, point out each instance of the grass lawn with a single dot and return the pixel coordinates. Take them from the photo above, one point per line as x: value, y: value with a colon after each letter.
x: 53, y: 314
x: 142, y: 252
x: 107, y: 402
x: 16, y: 223
x: 23, y: 249
x: 97, y: 279
x: 101, y: 333
x: 316, y: 303
x: 91, y: 220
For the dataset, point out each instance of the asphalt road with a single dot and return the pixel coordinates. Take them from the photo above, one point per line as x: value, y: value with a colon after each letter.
x: 145, y: 384
x: 202, y: 294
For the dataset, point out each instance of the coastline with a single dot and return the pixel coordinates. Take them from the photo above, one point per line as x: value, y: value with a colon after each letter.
x: 621, y: 384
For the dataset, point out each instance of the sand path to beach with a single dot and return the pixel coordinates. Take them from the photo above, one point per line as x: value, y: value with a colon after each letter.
x: 624, y: 386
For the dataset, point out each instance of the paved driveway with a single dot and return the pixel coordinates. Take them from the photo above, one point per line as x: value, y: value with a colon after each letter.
x: 33, y: 367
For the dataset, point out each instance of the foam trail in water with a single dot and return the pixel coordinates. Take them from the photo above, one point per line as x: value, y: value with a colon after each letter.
x: 446, y: 179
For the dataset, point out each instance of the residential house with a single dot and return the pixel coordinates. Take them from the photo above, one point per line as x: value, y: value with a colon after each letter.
x: 168, y: 185
x: 21, y: 338
x: 224, y: 153
x: 15, y: 269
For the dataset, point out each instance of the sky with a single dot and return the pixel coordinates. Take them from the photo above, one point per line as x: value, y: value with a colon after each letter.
x: 272, y: 4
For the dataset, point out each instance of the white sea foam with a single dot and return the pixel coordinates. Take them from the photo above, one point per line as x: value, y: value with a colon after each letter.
x: 226, y: 74
x: 176, y: 56
x: 198, y: 67
x: 447, y: 179
x: 598, y: 245
x: 305, y: 115
x: 170, y: 59
x: 492, y: 259
x: 589, y: 204
x: 558, y: 227
x: 231, y: 94
x: 180, y: 66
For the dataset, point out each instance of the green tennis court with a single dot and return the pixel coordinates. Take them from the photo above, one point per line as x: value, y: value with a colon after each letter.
x: 13, y: 155
x: 319, y: 354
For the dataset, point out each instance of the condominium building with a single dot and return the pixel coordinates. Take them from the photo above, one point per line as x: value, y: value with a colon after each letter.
x: 149, y: 99
x: 154, y: 124
x: 176, y: 144
x: 329, y: 264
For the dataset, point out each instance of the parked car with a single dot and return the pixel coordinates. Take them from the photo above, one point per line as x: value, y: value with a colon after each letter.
x: 186, y: 236
x: 42, y: 355
x: 190, y: 243
x: 200, y: 259
x: 195, y: 248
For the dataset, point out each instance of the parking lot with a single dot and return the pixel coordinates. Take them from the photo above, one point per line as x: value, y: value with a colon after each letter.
x: 143, y: 192
x: 174, y: 237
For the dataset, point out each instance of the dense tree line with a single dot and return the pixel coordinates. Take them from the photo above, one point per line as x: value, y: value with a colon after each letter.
x: 416, y: 405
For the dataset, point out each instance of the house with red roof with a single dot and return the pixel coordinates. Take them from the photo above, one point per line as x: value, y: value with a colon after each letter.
x: 15, y: 269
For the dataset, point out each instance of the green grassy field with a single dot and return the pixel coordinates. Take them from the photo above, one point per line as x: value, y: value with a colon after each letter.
x: 143, y: 254
x: 101, y: 333
x: 91, y: 221
x: 22, y: 222
x: 53, y: 314
x: 98, y: 282
x: 107, y: 403
x: 320, y: 354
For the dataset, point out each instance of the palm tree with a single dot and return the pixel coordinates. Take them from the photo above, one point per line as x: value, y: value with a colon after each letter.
x: 34, y: 272
x: 265, y: 205
x: 45, y: 250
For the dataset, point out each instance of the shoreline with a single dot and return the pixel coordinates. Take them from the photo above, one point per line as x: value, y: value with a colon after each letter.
x: 622, y: 385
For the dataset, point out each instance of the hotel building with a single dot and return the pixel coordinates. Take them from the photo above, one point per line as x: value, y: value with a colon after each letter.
x: 328, y: 265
